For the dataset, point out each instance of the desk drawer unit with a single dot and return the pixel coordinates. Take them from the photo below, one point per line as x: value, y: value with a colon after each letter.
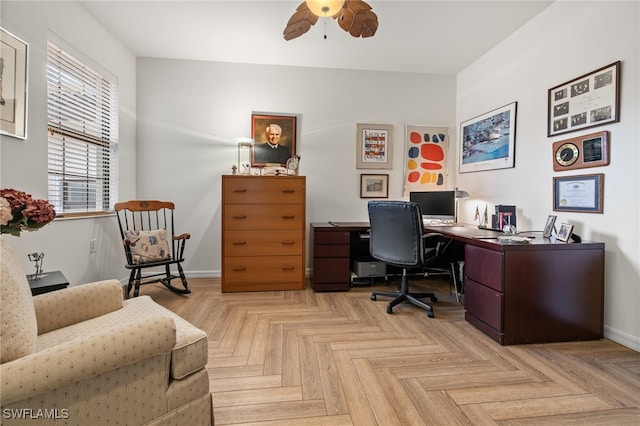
x: 263, y: 233
x: 484, y: 284
x: 330, y: 251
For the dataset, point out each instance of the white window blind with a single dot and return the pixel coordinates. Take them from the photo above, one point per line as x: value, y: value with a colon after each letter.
x: 83, y: 135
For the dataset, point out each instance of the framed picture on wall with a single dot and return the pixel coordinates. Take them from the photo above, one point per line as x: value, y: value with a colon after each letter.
x: 374, y: 146
x: 587, y: 101
x: 13, y: 85
x: 582, y: 193
x: 374, y: 186
x: 488, y: 142
x: 275, y: 137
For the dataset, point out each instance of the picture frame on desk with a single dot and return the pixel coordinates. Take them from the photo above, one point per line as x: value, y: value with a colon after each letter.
x: 549, y: 226
x: 581, y: 194
x: 564, y: 233
x: 488, y: 141
x: 374, y: 186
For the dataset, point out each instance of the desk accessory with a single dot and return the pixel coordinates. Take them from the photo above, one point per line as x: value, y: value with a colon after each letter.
x: 513, y: 239
x: 564, y: 233
x: 549, y: 227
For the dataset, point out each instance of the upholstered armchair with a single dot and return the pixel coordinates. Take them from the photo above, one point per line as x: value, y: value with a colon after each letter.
x: 84, y: 355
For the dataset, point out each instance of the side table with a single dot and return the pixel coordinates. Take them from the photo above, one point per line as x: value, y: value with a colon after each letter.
x: 46, y: 282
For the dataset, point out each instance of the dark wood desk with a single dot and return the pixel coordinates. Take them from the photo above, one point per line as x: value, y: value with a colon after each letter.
x: 536, y: 292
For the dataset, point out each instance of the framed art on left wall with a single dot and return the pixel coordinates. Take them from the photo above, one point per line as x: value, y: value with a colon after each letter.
x: 13, y: 85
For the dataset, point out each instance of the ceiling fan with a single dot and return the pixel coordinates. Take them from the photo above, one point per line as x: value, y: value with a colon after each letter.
x: 353, y: 16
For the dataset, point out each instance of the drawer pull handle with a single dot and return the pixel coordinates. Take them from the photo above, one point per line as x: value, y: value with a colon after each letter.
x: 239, y: 190
x: 288, y: 243
x: 240, y: 216
x: 240, y: 243
x: 288, y: 191
x: 239, y: 268
x: 289, y: 217
x: 288, y: 268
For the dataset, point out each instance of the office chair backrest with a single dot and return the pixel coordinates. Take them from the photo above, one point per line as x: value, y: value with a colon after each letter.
x: 396, y: 232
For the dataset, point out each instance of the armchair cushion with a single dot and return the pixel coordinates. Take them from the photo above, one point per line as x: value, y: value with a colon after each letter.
x: 86, y: 356
x: 189, y: 354
x: 76, y: 304
x: 18, y: 332
x: 148, y: 246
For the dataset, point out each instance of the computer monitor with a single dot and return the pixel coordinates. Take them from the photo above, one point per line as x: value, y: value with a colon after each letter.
x: 436, y: 205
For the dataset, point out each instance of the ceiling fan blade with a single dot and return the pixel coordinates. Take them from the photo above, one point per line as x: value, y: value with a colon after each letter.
x: 358, y: 19
x: 300, y: 22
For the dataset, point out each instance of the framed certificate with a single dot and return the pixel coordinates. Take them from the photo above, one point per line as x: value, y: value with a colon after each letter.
x: 578, y: 193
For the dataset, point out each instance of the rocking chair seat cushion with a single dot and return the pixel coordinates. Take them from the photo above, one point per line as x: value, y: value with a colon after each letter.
x: 148, y: 246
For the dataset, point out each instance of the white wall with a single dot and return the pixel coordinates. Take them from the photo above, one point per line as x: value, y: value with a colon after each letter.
x: 23, y: 163
x: 189, y: 112
x: 567, y: 40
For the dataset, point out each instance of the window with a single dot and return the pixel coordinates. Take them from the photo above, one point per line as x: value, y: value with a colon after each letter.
x: 83, y: 134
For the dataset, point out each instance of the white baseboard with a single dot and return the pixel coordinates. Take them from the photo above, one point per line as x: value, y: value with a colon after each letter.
x: 631, y: 342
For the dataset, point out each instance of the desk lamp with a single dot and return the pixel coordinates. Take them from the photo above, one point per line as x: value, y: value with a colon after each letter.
x: 459, y: 193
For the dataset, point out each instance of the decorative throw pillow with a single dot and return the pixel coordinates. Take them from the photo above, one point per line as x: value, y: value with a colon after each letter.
x: 148, y: 246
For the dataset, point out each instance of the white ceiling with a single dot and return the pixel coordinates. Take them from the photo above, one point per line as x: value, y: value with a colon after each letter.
x: 439, y: 37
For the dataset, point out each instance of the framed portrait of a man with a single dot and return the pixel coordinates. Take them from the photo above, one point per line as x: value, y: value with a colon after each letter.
x: 275, y: 139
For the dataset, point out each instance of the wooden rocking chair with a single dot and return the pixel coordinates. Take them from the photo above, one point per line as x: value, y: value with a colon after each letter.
x: 146, y: 228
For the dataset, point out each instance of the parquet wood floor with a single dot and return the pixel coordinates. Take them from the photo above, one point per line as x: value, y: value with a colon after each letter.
x: 305, y: 358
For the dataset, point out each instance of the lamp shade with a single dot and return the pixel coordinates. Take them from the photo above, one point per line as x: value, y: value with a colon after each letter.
x: 324, y: 7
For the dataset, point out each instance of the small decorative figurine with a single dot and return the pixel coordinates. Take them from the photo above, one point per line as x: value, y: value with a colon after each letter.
x: 38, y: 259
x: 234, y: 170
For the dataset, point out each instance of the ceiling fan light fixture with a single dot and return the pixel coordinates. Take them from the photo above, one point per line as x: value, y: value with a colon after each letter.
x: 324, y: 8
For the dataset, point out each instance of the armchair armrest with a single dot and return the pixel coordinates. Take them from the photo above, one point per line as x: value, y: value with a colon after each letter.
x: 86, y: 357
x: 75, y: 304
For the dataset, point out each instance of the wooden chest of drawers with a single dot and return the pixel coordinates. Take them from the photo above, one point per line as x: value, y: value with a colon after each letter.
x: 263, y: 233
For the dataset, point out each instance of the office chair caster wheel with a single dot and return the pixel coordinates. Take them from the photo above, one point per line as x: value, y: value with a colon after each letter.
x: 434, y: 299
x: 373, y: 297
x: 389, y: 310
x: 430, y: 314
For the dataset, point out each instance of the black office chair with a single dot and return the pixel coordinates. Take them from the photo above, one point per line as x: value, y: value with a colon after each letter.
x: 397, y: 238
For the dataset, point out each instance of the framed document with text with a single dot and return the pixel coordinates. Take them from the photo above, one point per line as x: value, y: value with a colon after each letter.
x: 578, y: 193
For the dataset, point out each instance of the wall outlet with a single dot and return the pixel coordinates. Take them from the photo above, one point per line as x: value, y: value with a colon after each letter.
x: 92, y: 246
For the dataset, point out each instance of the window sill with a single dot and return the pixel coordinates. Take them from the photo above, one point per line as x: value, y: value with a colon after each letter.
x: 88, y: 215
